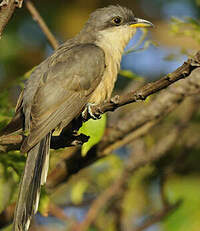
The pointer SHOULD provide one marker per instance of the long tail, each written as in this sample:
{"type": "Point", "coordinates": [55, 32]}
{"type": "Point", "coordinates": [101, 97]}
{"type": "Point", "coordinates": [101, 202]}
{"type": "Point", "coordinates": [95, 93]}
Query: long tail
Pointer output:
{"type": "Point", "coordinates": [34, 176]}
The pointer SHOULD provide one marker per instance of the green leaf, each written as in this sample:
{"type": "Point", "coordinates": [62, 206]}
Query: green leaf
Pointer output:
{"type": "Point", "coordinates": [94, 129]}
{"type": "Point", "coordinates": [78, 191]}
{"type": "Point", "coordinates": [44, 203]}
{"type": "Point", "coordinates": [189, 27]}
{"type": "Point", "coordinates": [14, 160]}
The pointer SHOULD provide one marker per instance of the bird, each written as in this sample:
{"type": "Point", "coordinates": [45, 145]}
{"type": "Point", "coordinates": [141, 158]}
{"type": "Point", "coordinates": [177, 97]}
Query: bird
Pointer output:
{"type": "Point", "coordinates": [80, 72]}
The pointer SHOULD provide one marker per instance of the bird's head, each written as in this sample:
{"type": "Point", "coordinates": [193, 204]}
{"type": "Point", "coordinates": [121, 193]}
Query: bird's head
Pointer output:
{"type": "Point", "coordinates": [113, 24]}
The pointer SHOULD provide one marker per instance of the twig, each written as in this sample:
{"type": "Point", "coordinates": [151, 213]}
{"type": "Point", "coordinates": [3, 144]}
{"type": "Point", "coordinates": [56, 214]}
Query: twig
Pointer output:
{"type": "Point", "coordinates": [99, 203]}
{"type": "Point", "coordinates": [58, 212]}
{"type": "Point", "coordinates": [158, 108]}
{"type": "Point", "coordinates": [150, 88]}
{"type": "Point", "coordinates": [36, 16]}
{"type": "Point", "coordinates": [159, 216]}
{"type": "Point", "coordinates": [136, 161]}
{"type": "Point", "coordinates": [163, 103]}
{"type": "Point", "coordinates": [76, 163]}
{"type": "Point", "coordinates": [129, 138]}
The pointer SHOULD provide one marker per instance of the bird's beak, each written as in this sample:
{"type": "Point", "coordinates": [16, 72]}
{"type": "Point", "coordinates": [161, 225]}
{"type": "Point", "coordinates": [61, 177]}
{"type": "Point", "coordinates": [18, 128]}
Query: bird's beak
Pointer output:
{"type": "Point", "coordinates": [141, 23]}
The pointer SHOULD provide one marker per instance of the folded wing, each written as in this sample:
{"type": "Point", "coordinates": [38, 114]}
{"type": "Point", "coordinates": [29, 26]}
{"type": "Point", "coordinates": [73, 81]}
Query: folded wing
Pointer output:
{"type": "Point", "coordinates": [63, 88]}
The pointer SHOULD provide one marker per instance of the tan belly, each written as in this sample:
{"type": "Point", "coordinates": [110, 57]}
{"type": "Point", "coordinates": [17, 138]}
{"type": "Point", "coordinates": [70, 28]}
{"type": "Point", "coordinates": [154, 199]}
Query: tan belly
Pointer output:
{"type": "Point", "coordinates": [104, 89]}
{"type": "Point", "coordinates": [103, 92]}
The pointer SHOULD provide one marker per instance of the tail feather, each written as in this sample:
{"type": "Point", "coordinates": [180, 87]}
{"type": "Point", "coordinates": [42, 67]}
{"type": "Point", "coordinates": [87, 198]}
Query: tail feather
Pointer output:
{"type": "Point", "coordinates": [34, 176]}
{"type": "Point", "coordinates": [46, 162]}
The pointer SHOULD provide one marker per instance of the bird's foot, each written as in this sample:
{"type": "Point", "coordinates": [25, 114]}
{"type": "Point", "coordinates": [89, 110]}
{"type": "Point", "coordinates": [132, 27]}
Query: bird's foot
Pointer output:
{"type": "Point", "coordinates": [88, 112]}
{"type": "Point", "coordinates": [6, 2]}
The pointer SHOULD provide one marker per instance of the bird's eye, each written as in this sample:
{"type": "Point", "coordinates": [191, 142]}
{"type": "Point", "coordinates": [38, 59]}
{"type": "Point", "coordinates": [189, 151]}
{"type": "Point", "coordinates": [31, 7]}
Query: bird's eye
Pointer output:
{"type": "Point", "coordinates": [117, 20]}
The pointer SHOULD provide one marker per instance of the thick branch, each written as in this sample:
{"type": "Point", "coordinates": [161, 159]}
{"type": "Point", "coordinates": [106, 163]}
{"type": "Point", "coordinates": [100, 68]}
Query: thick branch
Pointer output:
{"type": "Point", "coordinates": [13, 142]}
{"type": "Point", "coordinates": [6, 12]}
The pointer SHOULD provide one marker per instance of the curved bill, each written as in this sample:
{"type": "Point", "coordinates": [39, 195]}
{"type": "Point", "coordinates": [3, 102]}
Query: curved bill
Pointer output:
{"type": "Point", "coordinates": [141, 23]}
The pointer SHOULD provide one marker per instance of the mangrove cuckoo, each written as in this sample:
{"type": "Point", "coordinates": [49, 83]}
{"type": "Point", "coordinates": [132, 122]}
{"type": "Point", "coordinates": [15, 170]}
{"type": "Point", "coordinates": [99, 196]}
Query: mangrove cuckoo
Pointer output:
{"type": "Point", "coordinates": [80, 72]}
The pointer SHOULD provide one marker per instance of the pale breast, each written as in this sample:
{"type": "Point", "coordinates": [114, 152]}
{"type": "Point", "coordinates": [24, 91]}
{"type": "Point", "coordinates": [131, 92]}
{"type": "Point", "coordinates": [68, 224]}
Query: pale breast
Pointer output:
{"type": "Point", "coordinates": [113, 42]}
{"type": "Point", "coordinates": [104, 89]}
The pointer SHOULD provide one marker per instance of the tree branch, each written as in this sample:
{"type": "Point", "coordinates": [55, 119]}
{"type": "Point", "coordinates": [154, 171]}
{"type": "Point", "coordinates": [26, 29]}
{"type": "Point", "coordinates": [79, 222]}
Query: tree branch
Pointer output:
{"type": "Point", "coordinates": [13, 142]}
{"type": "Point", "coordinates": [150, 88]}
{"type": "Point", "coordinates": [156, 109]}
{"type": "Point", "coordinates": [136, 161]}
{"type": "Point", "coordinates": [36, 16]}
{"type": "Point", "coordinates": [158, 217]}
{"type": "Point", "coordinates": [6, 11]}
{"type": "Point", "coordinates": [163, 103]}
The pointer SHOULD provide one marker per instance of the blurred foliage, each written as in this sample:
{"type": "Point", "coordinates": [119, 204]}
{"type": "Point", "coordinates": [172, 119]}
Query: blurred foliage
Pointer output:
{"type": "Point", "coordinates": [189, 27]}
{"type": "Point", "coordinates": [6, 111]}
{"type": "Point", "coordinates": [11, 168]}
{"type": "Point", "coordinates": [78, 191]}
{"type": "Point", "coordinates": [198, 2]}
{"type": "Point", "coordinates": [44, 203]}
{"type": "Point", "coordinates": [23, 46]}
{"type": "Point", "coordinates": [186, 188]}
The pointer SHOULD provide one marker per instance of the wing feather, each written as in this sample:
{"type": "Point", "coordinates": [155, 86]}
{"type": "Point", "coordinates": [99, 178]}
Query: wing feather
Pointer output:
{"type": "Point", "coordinates": [63, 90]}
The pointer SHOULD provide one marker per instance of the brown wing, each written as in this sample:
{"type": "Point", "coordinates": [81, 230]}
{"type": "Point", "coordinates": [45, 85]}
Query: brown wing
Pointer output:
{"type": "Point", "coordinates": [63, 90]}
